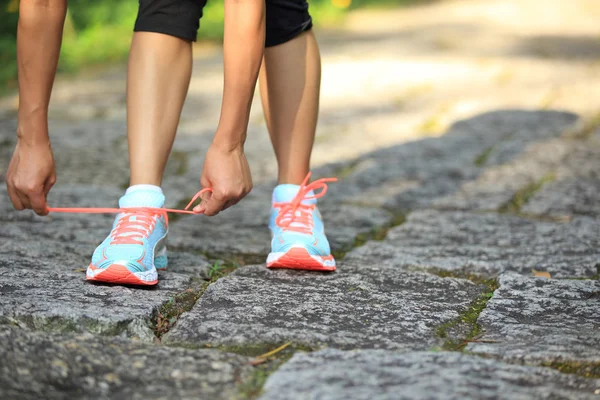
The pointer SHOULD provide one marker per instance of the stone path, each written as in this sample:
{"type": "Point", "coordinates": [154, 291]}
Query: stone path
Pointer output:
{"type": "Point", "coordinates": [439, 232]}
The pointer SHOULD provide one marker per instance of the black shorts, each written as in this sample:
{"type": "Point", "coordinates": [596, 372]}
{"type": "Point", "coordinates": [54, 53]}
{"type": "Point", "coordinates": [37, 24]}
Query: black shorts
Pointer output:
{"type": "Point", "coordinates": [285, 19]}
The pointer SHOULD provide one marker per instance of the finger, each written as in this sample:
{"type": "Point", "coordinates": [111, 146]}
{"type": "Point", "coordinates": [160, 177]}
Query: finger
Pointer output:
{"type": "Point", "coordinates": [214, 205]}
{"type": "Point", "coordinates": [229, 203]}
{"type": "Point", "coordinates": [49, 184]}
{"type": "Point", "coordinates": [233, 201]}
{"type": "Point", "coordinates": [14, 199]}
{"type": "Point", "coordinates": [200, 208]}
{"type": "Point", "coordinates": [38, 203]}
{"type": "Point", "coordinates": [24, 200]}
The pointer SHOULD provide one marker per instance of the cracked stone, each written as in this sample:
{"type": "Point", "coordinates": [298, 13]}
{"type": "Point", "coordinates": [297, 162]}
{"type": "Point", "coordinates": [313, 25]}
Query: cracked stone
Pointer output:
{"type": "Point", "coordinates": [442, 170]}
{"type": "Point", "coordinates": [194, 265]}
{"type": "Point", "coordinates": [487, 244]}
{"type": "Point", "coordinates": [497, 185]}
{"type": "Point", "coordinates": [360, 306]}
{"type": "Point", "coordinates": [535, 320]}
{"type": "Point", "coordinates": [85, 367]}
{"type": "Point", "coordinates": [52, 299]}
{"type": "Point", "coordinates": [377, 374]}
{"type": "Point", "coordinates": [243, 230]}
{"type": "Point", "coordinates": [565, 198]}
{"type": "Point", "coordinates": [576, 188]}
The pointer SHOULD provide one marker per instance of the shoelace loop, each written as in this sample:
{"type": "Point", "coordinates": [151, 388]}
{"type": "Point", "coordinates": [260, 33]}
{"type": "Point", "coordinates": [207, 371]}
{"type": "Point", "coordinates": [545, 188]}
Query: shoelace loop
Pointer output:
{"type": "Point", "coordinates": [294, 215]}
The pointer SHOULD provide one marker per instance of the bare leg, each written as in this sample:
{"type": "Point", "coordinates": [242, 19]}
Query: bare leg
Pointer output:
{"type": "Point", "coordinates": [158, 76]}
{"type": "Point", "coordinates": [290, 80]}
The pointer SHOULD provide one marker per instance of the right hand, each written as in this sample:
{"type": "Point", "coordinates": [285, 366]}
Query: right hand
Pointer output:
{"type": "Point", "coordinates": [30, 176]}
{"type": "Point", "coordinates": [227, 173]}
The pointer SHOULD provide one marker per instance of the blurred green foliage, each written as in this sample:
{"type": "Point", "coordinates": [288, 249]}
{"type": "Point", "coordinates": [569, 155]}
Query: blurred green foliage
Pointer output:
{"type": "Point", "coordinates": [98, 32]}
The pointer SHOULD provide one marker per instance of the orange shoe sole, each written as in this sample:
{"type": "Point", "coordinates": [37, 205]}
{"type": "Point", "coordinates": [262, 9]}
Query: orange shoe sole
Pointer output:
{"type": "Point", "coordinates": [298, 258]}
{"type": "Point", "coordinates": [120, 275]}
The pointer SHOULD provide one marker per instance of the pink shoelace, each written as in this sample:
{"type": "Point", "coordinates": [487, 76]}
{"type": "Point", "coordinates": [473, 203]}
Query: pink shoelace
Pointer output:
{"type": "Point", "coordinates": [294, 215]}
{"type": "Point", "coordinates": [130, 231]}
{"type": "Point", "coordinates": [151, 210]}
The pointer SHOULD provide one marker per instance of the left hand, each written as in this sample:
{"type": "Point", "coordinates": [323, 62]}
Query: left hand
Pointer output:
{"type": "Point", "coordinates": [227, 173]}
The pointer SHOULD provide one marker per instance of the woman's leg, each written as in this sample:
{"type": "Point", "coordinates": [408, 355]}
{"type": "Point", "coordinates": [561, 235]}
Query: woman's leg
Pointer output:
{"type": "Point", "coordinates": [290, 81]}
{"type": "Point", "coordinates": [158, 76]}
{"type": "Point", "coordinates": [159, 70]}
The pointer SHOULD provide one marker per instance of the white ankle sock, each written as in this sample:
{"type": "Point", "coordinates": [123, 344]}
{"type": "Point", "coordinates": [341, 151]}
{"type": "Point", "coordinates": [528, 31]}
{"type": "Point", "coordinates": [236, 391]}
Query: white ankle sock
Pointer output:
{"type": "Point", "coordinates": [151, 188]}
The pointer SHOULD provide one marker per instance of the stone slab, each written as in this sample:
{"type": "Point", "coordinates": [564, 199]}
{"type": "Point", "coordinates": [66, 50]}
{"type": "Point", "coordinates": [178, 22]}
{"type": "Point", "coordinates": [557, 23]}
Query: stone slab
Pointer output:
{"type": "Point", "coordinates": [536, 320]}
{"type": "Point", "coordinates": [527, 149]}
{"type": "Point", "coordinates": [438, 170]}
{"type": "Point", "coordinates": [378, 375]}
{"type": "Point", "coordinates": [577, 185]}
{"type": "Point", "coordinates": [360, 306]}
{"type": "Point", "coordinates": [67, 241]}
{"type": "Point", "coordinates": [566, 198]}
{"type": "Point", "coordinates": [488, 244]}
{"type": "Point", "coordinates": [497, 185]}
{"type": "Point", "coordinates": [36, 366]}
{"type": "Point", "coordinates": [52, 299]}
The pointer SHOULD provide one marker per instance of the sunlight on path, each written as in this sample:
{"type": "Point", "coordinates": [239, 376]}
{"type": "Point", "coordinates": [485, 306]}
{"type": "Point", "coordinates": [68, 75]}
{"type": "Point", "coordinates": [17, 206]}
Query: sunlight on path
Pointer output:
{"type": "Point", "coordinates": [391, 76]}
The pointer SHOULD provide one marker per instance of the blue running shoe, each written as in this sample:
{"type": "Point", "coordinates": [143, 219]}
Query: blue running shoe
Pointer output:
{"type": "Point", "coordinates": [299, 240]}
{"type": "Point", "coordinates": [136, 246]}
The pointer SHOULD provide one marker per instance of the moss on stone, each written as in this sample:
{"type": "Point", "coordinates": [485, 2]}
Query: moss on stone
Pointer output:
{"type": "Point", "coordinates": [586, 369]}
{"type": "Point", "coordinates": [169, 312]}
{"type": "Point", "coordinates": [523, 195]}
{"type": "Point", "coordinates": [377, 233]}
{"type": "Point", "coordinates": [482, 158]}
{"type": "Point", "coordinates": [252, 386]}
{"type": "Point", "coordinates": [467, 320]}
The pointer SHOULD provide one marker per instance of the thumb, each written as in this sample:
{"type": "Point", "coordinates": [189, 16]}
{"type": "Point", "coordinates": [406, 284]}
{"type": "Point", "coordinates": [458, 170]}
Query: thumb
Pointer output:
{"type": "Point", "coordinates": [203, 200]}
{"type": "Point", "coordinates": [38, 203]}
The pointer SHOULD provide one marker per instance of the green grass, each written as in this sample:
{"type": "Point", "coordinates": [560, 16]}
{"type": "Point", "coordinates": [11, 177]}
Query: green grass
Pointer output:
{"type": "Point", "coordinates": [467, 320]}
{"type": "Point", "coordinates": [169, 312]}
{"type": "Point", "coordinates": [377, 233]}
{"type": "Point", "coordinates": [523, 195]}
{"type": "Point", "coordinates": [586, 369]}
{"type": "Point", "coordinates": [251, 387]}
{"type": "Point", "coordinates": [482, 158]}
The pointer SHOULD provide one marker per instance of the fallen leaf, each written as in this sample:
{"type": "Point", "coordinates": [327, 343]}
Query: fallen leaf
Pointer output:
{"type": "Point", "coordinates": [541, 274]}
{"type": "Point", "coordinates": [273, 352]}
{"type": "Point", "coordinates": [263, 357]}
{"type": "Point", "coordinates": [257, 361]}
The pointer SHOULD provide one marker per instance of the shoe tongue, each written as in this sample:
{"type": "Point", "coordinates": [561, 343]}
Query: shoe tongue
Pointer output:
{"type": "Point", "coordinates": [286, 193]}
{"type": "Point", "coordinates": [142, 198]}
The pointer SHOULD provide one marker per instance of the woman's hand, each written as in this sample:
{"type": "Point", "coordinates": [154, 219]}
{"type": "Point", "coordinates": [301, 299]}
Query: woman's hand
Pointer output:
{"type": "Point", "coordinates": [30, 176]}
{"type": "Point", "coordinates": [227, 173]}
